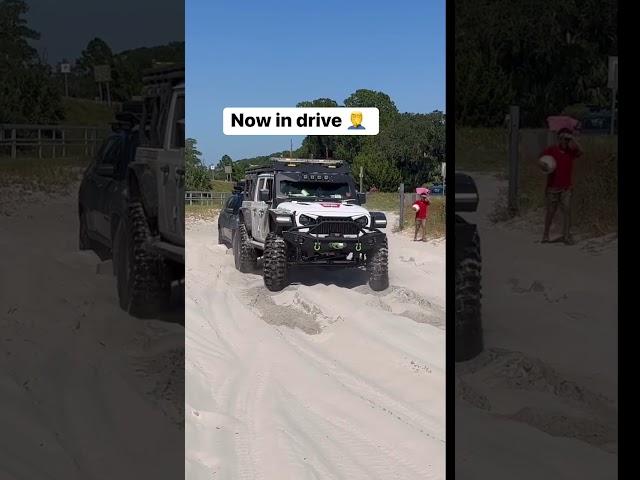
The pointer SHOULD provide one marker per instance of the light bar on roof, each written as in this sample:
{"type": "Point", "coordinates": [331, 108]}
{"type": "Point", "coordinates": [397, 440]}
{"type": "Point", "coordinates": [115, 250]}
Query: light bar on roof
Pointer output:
{"type": "Point", "coordinates": [308, 160]}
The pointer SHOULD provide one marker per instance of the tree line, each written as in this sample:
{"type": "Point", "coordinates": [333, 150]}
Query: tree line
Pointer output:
{"type": "Point", "coordinates": [410, 147]}
{"type": "Point", "coordinates": [31, 89]}
{"type": "Point", "coordinates": [543, 55]}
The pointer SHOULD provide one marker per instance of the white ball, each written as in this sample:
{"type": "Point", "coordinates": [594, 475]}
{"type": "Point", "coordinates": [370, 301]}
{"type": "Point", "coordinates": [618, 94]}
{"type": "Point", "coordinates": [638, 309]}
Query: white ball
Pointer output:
{"type": "Point", "coordinates": [547, 164]}
{"type": "Point", "coordinates": [416, 207]}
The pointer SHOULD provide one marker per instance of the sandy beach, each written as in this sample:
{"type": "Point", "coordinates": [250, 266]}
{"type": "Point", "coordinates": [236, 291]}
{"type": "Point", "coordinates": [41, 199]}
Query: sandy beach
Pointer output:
{"type": "Point", "coordinates": [323, 380]}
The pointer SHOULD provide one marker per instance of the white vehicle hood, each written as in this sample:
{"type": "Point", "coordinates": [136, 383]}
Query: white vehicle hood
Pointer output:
{"type": "Point", "coordinates": [324, 209]}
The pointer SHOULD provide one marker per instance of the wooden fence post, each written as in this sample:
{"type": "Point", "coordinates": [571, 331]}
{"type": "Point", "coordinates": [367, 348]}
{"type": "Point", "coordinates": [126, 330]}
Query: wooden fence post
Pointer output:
{"type": "Point", "coordinates": [13, 143]}
{"type": "Point", "coordinates": [514, 143]}
{"type": "Point", "coordinates": [401, 221]}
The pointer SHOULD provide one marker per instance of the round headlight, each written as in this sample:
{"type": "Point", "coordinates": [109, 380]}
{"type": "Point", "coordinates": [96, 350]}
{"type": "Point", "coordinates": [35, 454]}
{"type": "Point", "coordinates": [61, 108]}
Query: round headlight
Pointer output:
{"type": "Point", "coordinates": [305, 220]}
{"type": "Point", "coordinates": [362, 221]}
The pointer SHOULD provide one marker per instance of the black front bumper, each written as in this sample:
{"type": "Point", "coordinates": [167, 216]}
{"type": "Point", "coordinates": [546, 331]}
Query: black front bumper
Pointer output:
{"type": "Point", "coordinates": [309, 244]}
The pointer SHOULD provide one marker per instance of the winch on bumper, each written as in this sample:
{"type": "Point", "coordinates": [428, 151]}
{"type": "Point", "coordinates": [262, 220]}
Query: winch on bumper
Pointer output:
{"type": "Point", "coordinates": [310, 243]}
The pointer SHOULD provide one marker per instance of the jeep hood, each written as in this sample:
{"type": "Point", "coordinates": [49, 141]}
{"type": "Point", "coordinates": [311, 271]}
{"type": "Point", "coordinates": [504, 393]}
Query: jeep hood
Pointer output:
{"type": "Point", "coordinates": [324, 209]}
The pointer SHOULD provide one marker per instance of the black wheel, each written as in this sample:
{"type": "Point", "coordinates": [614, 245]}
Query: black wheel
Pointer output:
{"type": "Point", "coordinates": [378, 268]}
{"type": "Point", "coordinates": [275, 263]}
{"type": "Point", "coordinates": [468, 326]}
{"type": "Point", "coordinates": [244, 255]}
{"type": "Point", "coordinates": [84, 243]}
{"type": "Point", "coordinates": [144, 286]}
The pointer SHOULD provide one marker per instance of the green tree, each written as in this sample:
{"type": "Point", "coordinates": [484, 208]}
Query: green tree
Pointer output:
{"type": "Point", "coordinates": [409, 148]}
{"type": "Point", "coordinates": [127, 67]}
{"type": "Point", "coordinates": [97, 52]}
{"type": "Point", "coordinates": [364, 98]}
{"type": "Point", "coordinates": [27, 91]}
{"type": "Point", "coordinates": [378, 171]}
{"type": "Point", "coordinates": [218, 172]}
{"type": "Point", "coordinates": [541, 55]}
{"type": "Point", "coordinates": [15, 34]}
{"type": "Point", "coordinates": [319, 146]}
{"type": "Point", "coordinates": [197, 175]}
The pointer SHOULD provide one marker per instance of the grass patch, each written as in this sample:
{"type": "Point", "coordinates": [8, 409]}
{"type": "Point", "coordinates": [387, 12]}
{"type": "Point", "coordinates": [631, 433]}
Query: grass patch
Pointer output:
{"type": "Point", "coordinates": [436, 220]}
{"type": "Point", "coordinates": [221, 186]}
{"type": "Point", "coordinates": [81, 111]}
{"type": "Point", "coordinates": [481, 149]}
{"type": "Point", "coordinates": [595, 193]}
{"type": "Point", "coordinates": [390, 202]}
{"type": "Point", "coordinates": [201, 212]}
{"type": "Point", "coordinates": [383, 201]}
{"type": "Point", "coordinates": [45, 175]}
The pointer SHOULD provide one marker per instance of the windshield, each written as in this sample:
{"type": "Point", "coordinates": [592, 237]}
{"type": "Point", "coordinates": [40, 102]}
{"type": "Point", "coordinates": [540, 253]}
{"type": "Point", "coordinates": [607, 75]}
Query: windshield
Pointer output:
{"type": "Point", "coordinates": [338, 190]}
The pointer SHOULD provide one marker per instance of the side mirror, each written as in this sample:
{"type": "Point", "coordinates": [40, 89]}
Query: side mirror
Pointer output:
{"type": "Point", "coordinates": [264, 196]}
{"type": "Point", "coordinates": [362, 198]}
{"type": "Point", "coordinates": [105, 170]}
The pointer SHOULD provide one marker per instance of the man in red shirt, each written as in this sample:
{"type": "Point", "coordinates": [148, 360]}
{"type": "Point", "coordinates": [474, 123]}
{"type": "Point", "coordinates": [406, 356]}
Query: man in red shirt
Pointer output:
{"type": "Point", "coordinates": [421, 217]}
{"type": "Point", "coordinates": [560, 183]}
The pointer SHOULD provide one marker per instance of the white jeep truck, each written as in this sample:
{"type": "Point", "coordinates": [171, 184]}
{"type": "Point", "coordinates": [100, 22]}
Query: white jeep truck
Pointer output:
{"type": "Point", "coordinates": [307, 212]}
{"type": "Point", "coordinates": [131, 199]}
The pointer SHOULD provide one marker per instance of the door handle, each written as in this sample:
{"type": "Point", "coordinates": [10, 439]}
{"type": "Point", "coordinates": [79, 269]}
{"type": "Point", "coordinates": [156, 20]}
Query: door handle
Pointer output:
{"type": "Point", "coordinates": [165, 177]}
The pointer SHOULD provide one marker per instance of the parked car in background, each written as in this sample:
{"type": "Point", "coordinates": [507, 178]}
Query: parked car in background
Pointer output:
{"type": "Point", "coordinates": [437, 189]}
{"type": "Point", "coordinates": [228, 218]}
{"type": "Point", "coordinates": [598, 122]}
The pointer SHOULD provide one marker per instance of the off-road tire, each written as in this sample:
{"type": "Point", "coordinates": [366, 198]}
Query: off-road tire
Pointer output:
{"type": "Point", "coordinates": [84, 242]}
{"type": "Point", "coordinates": [244, 255]}
{"type": "Point", "coordinates": [378, 268]}
{"type": "Point", "coordinates": [144, 287]}
{"type": "Point", "coordinates": [468, 296]}
{"type": "Point", "coordinates": [275, 263]}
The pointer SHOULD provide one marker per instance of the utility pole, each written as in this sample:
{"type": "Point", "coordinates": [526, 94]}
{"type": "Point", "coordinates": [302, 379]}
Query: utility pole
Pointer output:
{"type": "Point", "coordinates": [291, 149]}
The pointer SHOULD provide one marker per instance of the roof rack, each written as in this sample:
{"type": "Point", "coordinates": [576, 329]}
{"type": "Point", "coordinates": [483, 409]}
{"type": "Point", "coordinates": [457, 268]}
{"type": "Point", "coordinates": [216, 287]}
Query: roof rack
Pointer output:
{"type": "Point", "coordinates": [316, 161]}
{"type": "Point", "coordinates": [309, 165]}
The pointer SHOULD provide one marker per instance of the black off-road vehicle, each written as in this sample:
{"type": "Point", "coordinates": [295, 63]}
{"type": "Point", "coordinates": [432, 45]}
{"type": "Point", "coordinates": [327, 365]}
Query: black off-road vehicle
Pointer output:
{"type": "Point", "coordinates": [131, 199]}
{"type": "Point", "coordinates": [468, 263]}
{"type": "Point", "coordinates": [308, 212]}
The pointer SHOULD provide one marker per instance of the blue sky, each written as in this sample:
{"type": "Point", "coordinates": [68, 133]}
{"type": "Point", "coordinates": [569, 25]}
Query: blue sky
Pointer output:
{"type": "Point", "coordinates": [67, 26]}
{"type": "Point", "coordinates": [267, 53]}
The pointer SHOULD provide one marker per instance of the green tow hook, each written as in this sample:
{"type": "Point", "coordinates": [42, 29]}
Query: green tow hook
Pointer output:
{"type": "Point", "coordinates": [358, 247]}
{"type": "Point", "coordinates": [316, 246]}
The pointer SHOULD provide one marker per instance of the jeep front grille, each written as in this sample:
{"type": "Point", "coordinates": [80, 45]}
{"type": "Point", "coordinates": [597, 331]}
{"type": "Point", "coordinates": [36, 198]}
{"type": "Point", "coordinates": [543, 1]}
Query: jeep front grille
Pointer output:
{"type": "Point", "coordinates": [329, 225]}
